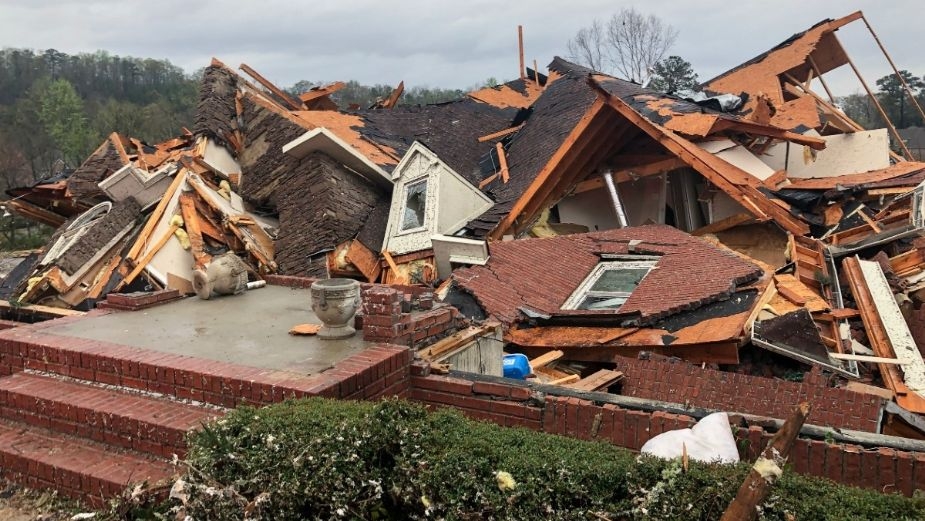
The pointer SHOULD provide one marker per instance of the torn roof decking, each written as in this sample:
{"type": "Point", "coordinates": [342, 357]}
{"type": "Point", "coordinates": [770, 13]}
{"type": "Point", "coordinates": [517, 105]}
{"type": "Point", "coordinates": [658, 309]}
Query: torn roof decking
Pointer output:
{"type": "Point", "coordinates": [583, 120]}
{"type": "Point", "coordinates": [109, 157]}
{"type": "Point", "coordinates": [816, 50]}
{"type": "Point", "coordinates": [541, 274]}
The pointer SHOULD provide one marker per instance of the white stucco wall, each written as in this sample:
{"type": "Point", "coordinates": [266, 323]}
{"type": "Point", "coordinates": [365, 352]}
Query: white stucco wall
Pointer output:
{"type": "Point", "coordinates": [450, 201]}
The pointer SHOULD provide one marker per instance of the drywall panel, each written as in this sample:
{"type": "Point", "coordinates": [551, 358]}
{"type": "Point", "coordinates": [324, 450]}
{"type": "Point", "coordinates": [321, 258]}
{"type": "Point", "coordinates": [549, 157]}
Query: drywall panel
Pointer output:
{"type": "Point", "coordinates": [843, 154]}
{"type": "Point", "coordinates": [459, 202]}
{"type": "Point", "coordinates": [592, 209]}
{"type": "Point", "coordinates": [171, 258]}
{"type": "Point", "coordinates": [220, 159]}
{"type": "Point", "coordinates": [739, 156]}
{"type": "Point", "coordinates": [644, 200]}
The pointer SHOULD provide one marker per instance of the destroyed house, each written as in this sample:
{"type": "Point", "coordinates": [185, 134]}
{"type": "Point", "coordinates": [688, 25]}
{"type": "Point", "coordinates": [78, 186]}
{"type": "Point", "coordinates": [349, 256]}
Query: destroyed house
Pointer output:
{"type": "Point", "coordinates": [600, 295]}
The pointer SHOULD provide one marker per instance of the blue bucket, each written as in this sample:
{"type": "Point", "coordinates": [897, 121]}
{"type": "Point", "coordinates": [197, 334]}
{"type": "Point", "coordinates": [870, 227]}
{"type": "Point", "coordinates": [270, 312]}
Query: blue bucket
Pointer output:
{"type": "Point", "coordinates": [516, 366]}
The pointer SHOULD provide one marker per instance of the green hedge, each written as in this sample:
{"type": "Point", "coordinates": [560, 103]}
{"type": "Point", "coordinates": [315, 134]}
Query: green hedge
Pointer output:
{"type": "Point", "coordinates": [323, 459]}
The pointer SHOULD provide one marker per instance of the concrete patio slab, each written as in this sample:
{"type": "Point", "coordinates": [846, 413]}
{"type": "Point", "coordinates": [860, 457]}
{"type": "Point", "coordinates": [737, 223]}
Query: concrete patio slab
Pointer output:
{"type": "Point", "coordinates": [250, 329]}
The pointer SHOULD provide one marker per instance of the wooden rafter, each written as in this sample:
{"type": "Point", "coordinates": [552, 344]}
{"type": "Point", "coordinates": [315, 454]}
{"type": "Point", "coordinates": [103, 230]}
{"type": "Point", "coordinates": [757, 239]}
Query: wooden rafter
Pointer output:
{"type": "Point", "coordinates": [320, 92]}
{"type": "Point", "coordinates": [502, 158]}
{"type": "Point", "coordinates": [547, 170]}
{"type": "Point", "coordinates": [735, 182]}
{"type": "Point", "coordinates": [500, 134]}
{"type": "Point", "coordinates": [392, 100]}
{"type": "Point", "coordinates": [292, 103]}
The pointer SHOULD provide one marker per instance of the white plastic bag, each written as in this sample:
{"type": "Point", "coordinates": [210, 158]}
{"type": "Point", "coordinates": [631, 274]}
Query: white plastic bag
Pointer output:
{"type": "Point", "coordinates": [709, 441]}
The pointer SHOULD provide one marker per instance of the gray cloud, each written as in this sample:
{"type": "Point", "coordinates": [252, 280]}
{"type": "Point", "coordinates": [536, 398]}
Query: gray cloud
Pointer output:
{"type": "Point", "coordinates": [435, 43]}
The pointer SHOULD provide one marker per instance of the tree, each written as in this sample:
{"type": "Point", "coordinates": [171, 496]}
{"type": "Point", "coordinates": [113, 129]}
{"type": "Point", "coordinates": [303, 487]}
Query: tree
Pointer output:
{"type": "Point", "coordinates": [672, 75]}
{"type": "Point", "coordinates": [861, 110]}
{"type": "Point", "coordinates": [894, 99]}
{"type": "Point", "coordinates": [61, 112]}
{"type": "Point", "coordinates": [629, 43]}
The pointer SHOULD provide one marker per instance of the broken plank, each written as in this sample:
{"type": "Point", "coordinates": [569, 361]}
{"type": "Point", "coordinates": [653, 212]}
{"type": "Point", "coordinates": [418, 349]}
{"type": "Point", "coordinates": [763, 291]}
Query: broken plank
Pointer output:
{"type": "Point", "coordinates": [320, 92]}
{"type": "Point", "coordinates": [392, 100]}
{"type": "Point", "coordinates": [859, 387]}
{"type": "Point", "coordinates": [866, 358]}
{"type": "Point", "coordinates": [155, 216]}
{"type": "Point", "coordinates": [723, 224]}
{"type": "Point", "coordinates": [546, 359]}
{"type": "Point", "coordinates": [601, 379]}
{"type": "Point", "coordinates": [500, 133]}
{"type": "Point", "coordinates": [293, 104]}
{"type": "Point", "coordinates": [364, 260]}
{"type": "Point", "coordinates": [572, 378]}
{"type": "Point", "coordinates": [455, 341]}
{"type": "Point", "coordinates": [502, 158]}
{"type": "Point", "coordinates": [887, 332]}
{"type": "Point", "coordinates": [141, 264]}
{"type": "Point", "coordinates": [191, 223]}
{"type": "Point", "coordinates": [41, 310]}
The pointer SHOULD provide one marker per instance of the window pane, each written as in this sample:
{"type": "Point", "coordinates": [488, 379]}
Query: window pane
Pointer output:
{"type": "Point", "coordinates": [415, 202]}
{"type": "Point", "coordinates": [601, 302]}
{"type": "Point", "coordinates": [622, 280]}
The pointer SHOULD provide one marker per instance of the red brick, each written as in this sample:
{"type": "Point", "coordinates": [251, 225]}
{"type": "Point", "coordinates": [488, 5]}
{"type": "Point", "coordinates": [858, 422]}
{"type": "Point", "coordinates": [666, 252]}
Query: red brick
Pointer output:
{"type": "Point", "coordinates": [492, 389]}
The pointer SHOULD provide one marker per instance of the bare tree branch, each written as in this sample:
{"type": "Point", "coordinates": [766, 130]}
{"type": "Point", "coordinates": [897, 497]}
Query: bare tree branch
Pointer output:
{"type": "Point", "coordinates": [629, 44]}
{"type": "Point", "coordinates": [587, 47]}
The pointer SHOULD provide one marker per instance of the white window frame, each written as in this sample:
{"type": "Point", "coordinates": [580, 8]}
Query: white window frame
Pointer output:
{"type": "Point", "coordinates": [583, 291]}
{"type": "Point", "coordinates": [404, 206]}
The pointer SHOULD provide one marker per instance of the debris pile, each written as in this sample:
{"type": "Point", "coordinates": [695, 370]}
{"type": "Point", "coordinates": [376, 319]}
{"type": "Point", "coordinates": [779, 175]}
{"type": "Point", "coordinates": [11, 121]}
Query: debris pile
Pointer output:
{"type": "Point", "coordinates": [595, 219]}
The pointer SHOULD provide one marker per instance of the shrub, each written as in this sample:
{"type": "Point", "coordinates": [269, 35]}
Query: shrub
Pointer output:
{"type": "Point", "coordinates": [324, 459]}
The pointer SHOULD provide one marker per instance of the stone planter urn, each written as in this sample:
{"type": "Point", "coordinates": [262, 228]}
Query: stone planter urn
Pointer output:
{"type": "Point", "coordinates": [335, 302]}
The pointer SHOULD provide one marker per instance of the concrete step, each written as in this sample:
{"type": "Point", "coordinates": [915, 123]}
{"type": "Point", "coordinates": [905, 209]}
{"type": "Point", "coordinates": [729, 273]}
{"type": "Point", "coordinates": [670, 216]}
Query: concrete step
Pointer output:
{"type": "Point", "coordinates": [80, 469]}
{"type": "Point", "coordinates": [131, 420]}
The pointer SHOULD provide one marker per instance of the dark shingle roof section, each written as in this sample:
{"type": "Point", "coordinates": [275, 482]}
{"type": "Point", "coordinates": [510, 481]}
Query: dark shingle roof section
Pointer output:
{"type": "Point", "coordinates": [541, 274]}
{"type": "Point", "coordinates": [554, 116]}
{"type": "Point", "coordinates": [216, 112]}
{"type": "Point", "coordinates": [451, 130]}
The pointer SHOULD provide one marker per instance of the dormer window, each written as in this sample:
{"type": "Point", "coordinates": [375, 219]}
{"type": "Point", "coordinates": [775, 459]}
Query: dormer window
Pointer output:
{"type": "Point", "coordinates": [414, 206]}
{"type": "Point", "coordinates": [610, 284]}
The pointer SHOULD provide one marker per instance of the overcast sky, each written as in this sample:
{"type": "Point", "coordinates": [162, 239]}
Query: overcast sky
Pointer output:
{"type": "Point", "coordinates": [439, 43]}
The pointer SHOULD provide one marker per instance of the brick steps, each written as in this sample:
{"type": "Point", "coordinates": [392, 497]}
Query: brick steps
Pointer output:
{"type": "Point", "coordinates": [91, 418]}
{"type": "Point", "coordinates": [77, 468]}
{"type": "Point", "coordinates": [146, 424]}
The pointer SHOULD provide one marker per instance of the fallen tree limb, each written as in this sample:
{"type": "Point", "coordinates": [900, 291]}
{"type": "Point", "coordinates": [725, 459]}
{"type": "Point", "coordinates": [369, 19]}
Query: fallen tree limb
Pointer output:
{"type": "Point", "coordinates": [768, 467]}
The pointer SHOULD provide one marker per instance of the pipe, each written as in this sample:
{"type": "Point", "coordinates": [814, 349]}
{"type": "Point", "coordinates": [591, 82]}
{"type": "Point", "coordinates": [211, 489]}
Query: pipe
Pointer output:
{"type": "Point", "coordinates": [615, 198]}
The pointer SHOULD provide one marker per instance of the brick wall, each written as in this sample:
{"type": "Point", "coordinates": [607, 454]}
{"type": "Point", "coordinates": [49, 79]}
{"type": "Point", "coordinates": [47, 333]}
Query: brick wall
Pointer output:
{"type": "Point", "coordinates": [382, 319]}
{"type": "Point", "coordinates": [518, 404]}
{"type": "Point", "coordinates": [679, 382]}
{"type": "Point", "coordinates": [380, 370]}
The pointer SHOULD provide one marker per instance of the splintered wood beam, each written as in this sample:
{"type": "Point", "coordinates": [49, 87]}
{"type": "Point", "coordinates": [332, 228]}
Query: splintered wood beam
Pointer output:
{"type": "Point", "coordinates": [632, 174]}
{"type": "Point", "coordinates": [485, 182]}
{"type": "Point", "coordinates": [546, 359]}
{"type": "Point", "coordinates": [320, 92]}
{"type": "Point", "coordinates": [766, 470]}
{"type": "Point", "coordinates": [143, 262]}
{"type": "Point", "coordinates": [116, 141]}
{"type": "Point", "coordinates": [723, 224]}
{"type": "Point", "coordinates": [816, 143]}
{"type": "Point", "coordinates": [520, 46]}
{"type": "Point", "coordinates": [293, 104]}
{"type": "Point", "coordinates": [392, 100]}
{"type": "Point", "coordinates": [391, 262]}
{"type": "Point", "coordinates": [364, 260]}
{"type": "Point", "coordinates": [155, 216]}
{"type": "Point", "coordinates": [500, 133]}
{"type": "Point", "coordinates": [193, 229]}
{"type": "Point", "coordinates": [502, 158]}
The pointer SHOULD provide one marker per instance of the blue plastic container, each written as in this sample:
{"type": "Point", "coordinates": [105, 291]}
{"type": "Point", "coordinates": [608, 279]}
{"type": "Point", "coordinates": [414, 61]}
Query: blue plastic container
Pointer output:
{"type": "Point", "coordinates": [516, 366]}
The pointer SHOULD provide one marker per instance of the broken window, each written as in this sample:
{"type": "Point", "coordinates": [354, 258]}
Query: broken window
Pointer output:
{"type": "Point", "coordinates": [415, 204]}
{"type": "Point", "coordinates": [609, 285]}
